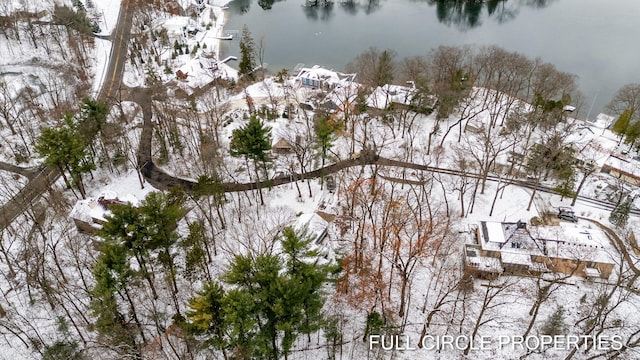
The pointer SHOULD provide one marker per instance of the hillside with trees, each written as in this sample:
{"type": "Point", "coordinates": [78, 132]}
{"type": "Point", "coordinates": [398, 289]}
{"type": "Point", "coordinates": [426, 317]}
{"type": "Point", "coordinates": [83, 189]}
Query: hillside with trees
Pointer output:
{"type": "Point", "coordinates": [259, 216]}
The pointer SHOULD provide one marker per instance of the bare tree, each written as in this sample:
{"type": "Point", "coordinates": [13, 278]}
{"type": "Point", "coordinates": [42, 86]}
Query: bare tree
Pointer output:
{"type": "Point", "coordinates": [495, 296]}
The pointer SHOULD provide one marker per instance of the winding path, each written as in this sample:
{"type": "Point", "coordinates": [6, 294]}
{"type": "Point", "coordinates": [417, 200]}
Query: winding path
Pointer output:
{"type": "Point", "coordinates": [40, 180]}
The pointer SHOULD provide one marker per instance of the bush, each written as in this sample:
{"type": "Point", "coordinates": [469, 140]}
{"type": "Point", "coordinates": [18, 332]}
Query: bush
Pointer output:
{"type": "Point", "coordinates": [62, 350]}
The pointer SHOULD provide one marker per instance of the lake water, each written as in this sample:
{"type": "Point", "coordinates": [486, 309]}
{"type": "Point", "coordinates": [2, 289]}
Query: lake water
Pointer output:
{"type": "Point", "coordinates": [594, 39]}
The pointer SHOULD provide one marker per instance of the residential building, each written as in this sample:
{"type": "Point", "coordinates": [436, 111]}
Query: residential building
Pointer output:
{"type": "Point", "coordinates": [388, 96]}
{"type": "Point", "coordinates": [321, 78]}
{"type": "Point", "coordinates": [520, 249]}
{"type": "Point", "coordinates": [623, 167]}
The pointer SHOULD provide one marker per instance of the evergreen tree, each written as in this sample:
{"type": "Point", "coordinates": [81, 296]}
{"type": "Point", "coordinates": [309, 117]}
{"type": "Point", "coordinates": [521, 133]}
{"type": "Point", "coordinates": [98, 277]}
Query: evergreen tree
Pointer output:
{"type": "Point", "coordinates": [112, 274]}
{"type": "Point", "coordinates": [258, 280]}
{"type": "Point", "coordinates": [252, 141]}
{"type": "Point", "coordinates": [93, 116]}
{"type": "Point", "coordinates": [148, 229]}
{"type": "Point", "coordinates": [206, 315]}
{"type": "Point", "coordinates": [195, 255]}
{"type": "Point", "coordinates": [632, 134]}
{"type": "Point", "coordinates": [620, 214]}
{"type": "Point", "coordinates": [306, 280]}
{"type": "Point", "coordinates": [622, 124]}
{"type": "Point", "coordinates": [555, 325]}
{"type": "Point", "coordinates": [125, 226]}
{"type": "Point", "coordinates": [385, 68]}
{"type": "Point", "coordinates": [274, 299]}
{"type": "Point", "coordinates": [567, 180]}
{"type": "Point", "coordinates": [324, 130]}
{"type": "Point", "coordinates": [65, 148]}
{"type": "Point", "coordinates": [247, 54]}
{"type": "Point", "coordinates": [374, 325]}
{"type": "Point", "coordinates": [160, 215]}
{"type": "Point", "coordinates": [62, 350]}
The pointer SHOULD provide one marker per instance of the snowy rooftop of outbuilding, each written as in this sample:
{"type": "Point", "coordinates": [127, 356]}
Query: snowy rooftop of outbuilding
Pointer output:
{"type": "Point", "coordinates": [512, 257]}
{"type": "Point", "coordinates": [313, 224]}
{"type": "Point", "coordinates": [94, 209]}
{"type": "Point", "coordinates": [593, 145]}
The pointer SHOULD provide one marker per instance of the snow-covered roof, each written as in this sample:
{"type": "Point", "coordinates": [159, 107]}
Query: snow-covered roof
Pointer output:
{"type": "Point", "coordinates": [629, 166]}
{"type": "Point", "coordinates": [95, 210]}
{"type": "Point", "coordinates": [592, 272]}
{"type": "Point", "coordinates": [509, 257]}
{"type": "Point", "coordinates": [603, 121]}
{"type": "Point", "coordinates": [281, 144]}
{"type": "Point", "coordinates": [327, 76]}
{"type": "Point", "coordinates": [593, 145]}
{"type": "Point", "coordinates": [88, 210]}
{"type": "Point", "coordinates": [484, 263]}
{"type": "Point", "coordinates": [383, 96]}
{"type": "Point", "coordinates": [495, 232]}
{"type": "Point", "coordinates": [564, 241]}
{"type": "Point", "coordinates": [313, 224]}
{"type": "Point", "coordinates": [175, 25]}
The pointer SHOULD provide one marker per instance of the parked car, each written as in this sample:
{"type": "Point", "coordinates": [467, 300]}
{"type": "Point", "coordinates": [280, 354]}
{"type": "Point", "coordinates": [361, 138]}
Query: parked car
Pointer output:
{"type": "Point", "coordinates": [568, 216]}
{"type": "Point", "coordinates": [331, 184]}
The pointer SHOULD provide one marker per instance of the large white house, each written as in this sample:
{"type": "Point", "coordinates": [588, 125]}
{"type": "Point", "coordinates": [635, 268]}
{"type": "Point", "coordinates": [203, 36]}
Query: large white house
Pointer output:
{"type": "Point", "coordinates": [321, 78]}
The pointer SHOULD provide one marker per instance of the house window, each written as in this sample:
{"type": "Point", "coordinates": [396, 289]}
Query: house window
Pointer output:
{"type": "Point", "coordinates": [592, 264]}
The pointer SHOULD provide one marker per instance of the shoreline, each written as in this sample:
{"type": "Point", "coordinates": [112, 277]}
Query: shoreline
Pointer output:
{"type": "Point", "coordinates": [221, 20]}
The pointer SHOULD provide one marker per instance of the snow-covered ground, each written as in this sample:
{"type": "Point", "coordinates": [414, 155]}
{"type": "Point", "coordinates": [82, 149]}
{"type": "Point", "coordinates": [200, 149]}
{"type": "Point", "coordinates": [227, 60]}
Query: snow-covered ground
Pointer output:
{"type": "Point", "coordinates": [370, 206]}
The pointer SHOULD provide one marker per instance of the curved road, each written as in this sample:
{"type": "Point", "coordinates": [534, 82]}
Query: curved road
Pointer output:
{"type": "Point", "coordinates": [46, 176]}
{"type": "Point", "coordinates": [161, 180]}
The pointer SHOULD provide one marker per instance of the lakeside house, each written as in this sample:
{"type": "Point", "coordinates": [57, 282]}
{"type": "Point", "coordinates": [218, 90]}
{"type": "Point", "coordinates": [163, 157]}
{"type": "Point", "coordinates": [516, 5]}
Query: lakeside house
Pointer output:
{"type": "Point", "coordinates": [402, 97]}
{"type": "Point", "coordinates": [321, 78]}
{"type": "Point", "coordinates": [513, 248]}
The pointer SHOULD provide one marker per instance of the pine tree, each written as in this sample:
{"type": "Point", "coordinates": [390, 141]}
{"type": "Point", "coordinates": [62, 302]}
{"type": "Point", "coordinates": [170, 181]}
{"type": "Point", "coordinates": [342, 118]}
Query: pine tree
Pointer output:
{"type": "Point", "coordinates": [195, 255]}
{"type": "Point", "coordinates": [306, 280]}
{"type": "Point", "coordinates": [273, 299]}
{"type": "Point", "coordinates": [621, 125]}
{"type": "Point", "coordinates": [93, 116]}
{"type": "Point", "coordinates": [125, 227]}
{"type": "Point", "coordinates": [632, 134]}
{"type": "Point", "coordinates": [252, 141]}
{"type": "Point", "coordinates": [161, 213]}
{"type": "Point", "coordinates": [206, 315]}
{"type": "Point", "coordinates": [324, 130]}
{"type": "Point", "coordinates": [62, 350]}
{"type": "Point", "coordinates": [247, 54]}
{"type": "Point", "coordinates": [567, 177]}
{"type": "Point", "coordinates": [555, 325]}
{"type": "Point", "coordinates": [112, 274]}
{"type": "Point", "coordinates": [620, 214]}
{"type": "Point", "coordinates": [65, 148]}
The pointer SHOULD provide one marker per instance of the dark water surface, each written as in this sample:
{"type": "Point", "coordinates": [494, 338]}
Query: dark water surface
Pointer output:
{"type": "Point", "coordinates": [598, 40]}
